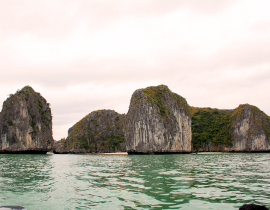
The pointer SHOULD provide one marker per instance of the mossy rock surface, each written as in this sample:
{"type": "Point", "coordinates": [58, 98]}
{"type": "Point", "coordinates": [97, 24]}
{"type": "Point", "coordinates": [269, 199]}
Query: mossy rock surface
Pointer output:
{"type": "Point", "coordinates": [100, 131]}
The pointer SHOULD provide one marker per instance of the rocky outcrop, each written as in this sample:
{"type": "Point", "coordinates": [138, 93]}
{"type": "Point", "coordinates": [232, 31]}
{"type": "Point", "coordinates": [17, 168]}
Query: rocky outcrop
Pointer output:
{"type": "Point", "coordinates": [60, 147]}
{"type": "Point", "coordinates": [99, 132]}
{"type": "Point", "coordinates": [244, 129]}
{"type": "Point", "coordinates": [26, 123]}
{"type": "Point", "coordinates": [158, 121]}
{"type": "Point", "coordinates": [250, 128]}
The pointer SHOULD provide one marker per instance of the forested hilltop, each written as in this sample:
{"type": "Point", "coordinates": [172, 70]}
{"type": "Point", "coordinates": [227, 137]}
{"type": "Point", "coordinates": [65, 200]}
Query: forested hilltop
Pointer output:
{"type": "Point", "coordinates": [160, 121]}
{"type": "Point", "coordinates": [210, 127]}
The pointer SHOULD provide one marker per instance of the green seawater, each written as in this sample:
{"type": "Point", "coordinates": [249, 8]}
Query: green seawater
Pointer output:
{"type": "Point", "coordinates": [55, 182]}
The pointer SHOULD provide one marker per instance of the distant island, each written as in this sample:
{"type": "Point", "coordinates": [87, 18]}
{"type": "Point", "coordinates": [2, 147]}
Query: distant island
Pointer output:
{"type": "Point", "coordinates": [158, 122]}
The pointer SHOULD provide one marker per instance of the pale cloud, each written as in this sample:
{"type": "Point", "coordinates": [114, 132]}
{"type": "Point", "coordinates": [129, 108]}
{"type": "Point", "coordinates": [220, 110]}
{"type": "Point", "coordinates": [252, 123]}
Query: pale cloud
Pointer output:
{"type": "Point", "coordinates": [87, 55]}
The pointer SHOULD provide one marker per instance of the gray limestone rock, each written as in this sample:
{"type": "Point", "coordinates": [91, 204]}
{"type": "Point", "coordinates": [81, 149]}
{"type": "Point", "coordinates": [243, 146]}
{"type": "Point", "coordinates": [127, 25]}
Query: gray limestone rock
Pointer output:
{"type": "Point", "coordinates": [26, 123]}
{"type": "Point", "coordinates": [158, 121]}
{"type": "Point", "coordinates": [250, 129]}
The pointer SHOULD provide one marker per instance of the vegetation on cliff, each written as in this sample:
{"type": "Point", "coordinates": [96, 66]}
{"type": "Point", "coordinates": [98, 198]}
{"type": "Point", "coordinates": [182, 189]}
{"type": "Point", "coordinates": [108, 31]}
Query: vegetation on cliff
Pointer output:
{"type": "Point", "coordinates": [41, 103]}
{"type": "Point", "coordinates": [210, 126]}
{"type": "Point", "coordinates": [99, 131]}
{"type": "Point", "coordinates": [157, 95]}
{"type": "Point", "coordinates": [223, 128]}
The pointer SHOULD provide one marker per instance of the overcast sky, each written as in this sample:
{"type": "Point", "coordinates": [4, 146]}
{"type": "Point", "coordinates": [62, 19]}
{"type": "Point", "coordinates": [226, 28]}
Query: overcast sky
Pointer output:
{"type": "Point", "coordinates": [85, 55]}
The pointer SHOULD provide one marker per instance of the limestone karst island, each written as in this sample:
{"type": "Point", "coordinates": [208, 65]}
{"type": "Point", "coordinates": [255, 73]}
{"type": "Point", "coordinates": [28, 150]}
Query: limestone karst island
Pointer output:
{"type": "Point", "coordinates": [158, 121]}
{"type": "Point", "coordinates": [26, 123]}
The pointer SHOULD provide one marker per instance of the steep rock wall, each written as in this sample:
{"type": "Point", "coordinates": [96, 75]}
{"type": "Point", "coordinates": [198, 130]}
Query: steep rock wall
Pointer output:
{"type": "Point", "coordinates": [158, 121]}
{"type": "Point", "coordinates": [26, 123]}
{"type": "Point", "coordinates": [250, 129]}
{"type": "Point", "coordinates": [99, 132]}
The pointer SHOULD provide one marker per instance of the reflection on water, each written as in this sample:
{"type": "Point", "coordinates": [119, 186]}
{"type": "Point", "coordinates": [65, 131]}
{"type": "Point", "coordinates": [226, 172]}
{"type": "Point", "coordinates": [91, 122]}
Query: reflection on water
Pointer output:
{"type": "Point", "coordinates": [134, 182]}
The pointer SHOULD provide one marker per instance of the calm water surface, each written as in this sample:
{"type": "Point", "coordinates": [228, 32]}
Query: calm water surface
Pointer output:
{"type": "Point", "coordinates": [134, 182]}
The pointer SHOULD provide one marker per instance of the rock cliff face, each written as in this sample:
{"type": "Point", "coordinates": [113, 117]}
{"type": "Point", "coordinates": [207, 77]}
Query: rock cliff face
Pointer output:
{"type": "Point", "coordinates": [26, 123]}
{"type": "Point", "coordinates": [99, 132]}
{"type": "Point", "coordinates": [158, 121]}
{"type": "Point", "coordinates": [244, 129]}
{"type": "Point", "coordinates": [250, 129]}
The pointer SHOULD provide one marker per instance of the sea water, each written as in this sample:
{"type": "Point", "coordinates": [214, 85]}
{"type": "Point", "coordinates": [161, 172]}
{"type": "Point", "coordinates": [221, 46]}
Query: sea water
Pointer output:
{"type": "Point", "coordinates": [184, 181]}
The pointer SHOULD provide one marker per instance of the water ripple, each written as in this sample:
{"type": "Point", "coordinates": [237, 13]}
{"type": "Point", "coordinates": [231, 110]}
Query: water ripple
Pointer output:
{"type": "Point", "coordinates": [134, 182]}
